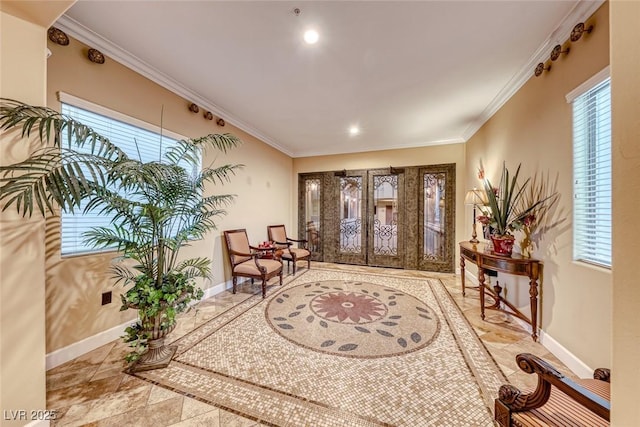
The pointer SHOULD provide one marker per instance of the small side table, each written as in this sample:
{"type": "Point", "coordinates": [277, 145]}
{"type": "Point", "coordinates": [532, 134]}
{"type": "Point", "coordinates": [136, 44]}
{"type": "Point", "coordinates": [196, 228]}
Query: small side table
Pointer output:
{"type": "Point", "coordinates": [478, 254]}
{"type": "Point", "coordinates": [269, 252]}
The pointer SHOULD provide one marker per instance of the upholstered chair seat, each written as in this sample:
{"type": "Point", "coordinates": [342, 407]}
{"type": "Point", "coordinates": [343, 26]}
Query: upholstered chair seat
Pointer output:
{"type": "Point", "coordinates": [290, 253]}
{"type": "Point", "coordinates": [249, 261]}
{"type": "Point", "coordinates": [250, 267]}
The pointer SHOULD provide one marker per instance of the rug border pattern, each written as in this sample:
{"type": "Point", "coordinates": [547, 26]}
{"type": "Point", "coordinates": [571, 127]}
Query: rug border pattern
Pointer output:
{"type": "Point", "coordinates": [488, 380]}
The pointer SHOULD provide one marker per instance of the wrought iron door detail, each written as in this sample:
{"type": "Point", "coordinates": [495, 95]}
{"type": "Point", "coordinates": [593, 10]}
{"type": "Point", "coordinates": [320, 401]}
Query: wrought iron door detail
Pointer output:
{"type": "Point", "coordinates": [385, 223]}
{"type": "Point", "coordinates": [434, 216]}
{"type": "Point", "coordinates": [351, 215]}
{"type": "Point", "coordinates": [396, 217]}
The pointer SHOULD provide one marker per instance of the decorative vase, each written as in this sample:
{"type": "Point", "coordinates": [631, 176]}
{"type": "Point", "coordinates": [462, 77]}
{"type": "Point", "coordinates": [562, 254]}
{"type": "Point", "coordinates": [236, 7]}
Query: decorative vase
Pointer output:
{"type": "Point", "coordinates": [502, 245]}
{"type": "Point", "coordinates": [526, 247]}
{"type": "Point", "coordinates": [158, 355]}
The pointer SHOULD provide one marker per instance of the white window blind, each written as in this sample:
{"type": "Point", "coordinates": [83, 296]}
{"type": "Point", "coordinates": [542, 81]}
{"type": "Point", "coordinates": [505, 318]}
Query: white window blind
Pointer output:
{"type": "Point", "coordinates": [137, 143]}
{"type": "Point", "coordinates": [592, 175]}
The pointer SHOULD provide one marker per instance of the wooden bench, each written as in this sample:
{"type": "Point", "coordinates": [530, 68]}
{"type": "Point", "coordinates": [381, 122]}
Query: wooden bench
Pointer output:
{"type": "Point", "coordinates": [556, 401]}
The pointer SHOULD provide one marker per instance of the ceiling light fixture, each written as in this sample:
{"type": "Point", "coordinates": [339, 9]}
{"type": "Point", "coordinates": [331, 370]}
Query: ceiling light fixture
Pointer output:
{"type": "Point", "coordinates": [354, 130]}
{"type": "Point", "coordinates": [311, 36]}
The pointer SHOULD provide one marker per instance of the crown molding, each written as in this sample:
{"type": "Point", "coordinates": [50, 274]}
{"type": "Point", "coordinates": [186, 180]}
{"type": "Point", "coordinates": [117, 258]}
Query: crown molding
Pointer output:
{"type": "Point", "coordinates": [344, 150]}
{"type": "Point", "coordinates": [118, 54]}
{"type": "Point", "coordinates": [580, 13]}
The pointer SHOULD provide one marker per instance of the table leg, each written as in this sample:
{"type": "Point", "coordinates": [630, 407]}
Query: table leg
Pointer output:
{"type": "Point", "coordinates": [533, 297]}
{"type": "Point", "coordinates": [498, 290]}
{"type": "Point", "coordinates": [481, 282]}
{"type": "Point", "coordinates": [462, 272]}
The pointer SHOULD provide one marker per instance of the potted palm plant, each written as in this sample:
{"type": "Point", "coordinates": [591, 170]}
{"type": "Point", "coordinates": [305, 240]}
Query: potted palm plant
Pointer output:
{"type": "Point", "coordinates": [156, 208]}
{"type": "Point", "coordinates": [508, 209]}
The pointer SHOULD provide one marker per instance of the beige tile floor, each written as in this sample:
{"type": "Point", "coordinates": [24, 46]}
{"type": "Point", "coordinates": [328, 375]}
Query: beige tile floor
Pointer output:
{"type": "Point", "coordinates": [92, 390]}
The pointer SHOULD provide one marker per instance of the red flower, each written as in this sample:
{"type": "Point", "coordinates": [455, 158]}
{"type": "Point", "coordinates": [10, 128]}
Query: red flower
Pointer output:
{"type": "Point", "coordinates": [484, 220]}
{"type": "Point", "coordinates": [529, 219]}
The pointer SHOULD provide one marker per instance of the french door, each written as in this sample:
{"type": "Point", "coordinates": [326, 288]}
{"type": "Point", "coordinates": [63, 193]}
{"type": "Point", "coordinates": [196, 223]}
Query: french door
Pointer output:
{"type": "Point", "coordinates": [392, 217]}
{"type": "Point", "coordinates": [366, 223]}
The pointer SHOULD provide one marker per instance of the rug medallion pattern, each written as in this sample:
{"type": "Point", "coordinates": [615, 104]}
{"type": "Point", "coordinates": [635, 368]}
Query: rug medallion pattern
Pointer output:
{"type": "Point", "coordinates": [246, 362]}
{"type": "Point", "coordinates": [352, 319]}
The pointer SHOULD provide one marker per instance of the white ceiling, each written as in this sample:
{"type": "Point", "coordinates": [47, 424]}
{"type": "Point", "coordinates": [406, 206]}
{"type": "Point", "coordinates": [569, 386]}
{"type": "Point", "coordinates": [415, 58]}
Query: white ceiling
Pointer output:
{"type": "Point", "coordinates": [409, 73]}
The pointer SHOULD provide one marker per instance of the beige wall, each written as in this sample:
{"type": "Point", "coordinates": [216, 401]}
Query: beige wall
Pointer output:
{"type": "Point", "coordinates": [22, 270]}
{"type": "Point", "coordinates": [433, 155]}
{"type": "Point", "coordinates": [625, 100]}
{"type": "Point", "coordinates": [534, 128]}
{"type": "Point", "coordinates": [263, 188]}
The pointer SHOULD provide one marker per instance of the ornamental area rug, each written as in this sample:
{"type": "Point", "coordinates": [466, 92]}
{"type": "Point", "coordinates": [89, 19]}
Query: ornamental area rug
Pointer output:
{"type": "Point", "coordinates": [333, 348]}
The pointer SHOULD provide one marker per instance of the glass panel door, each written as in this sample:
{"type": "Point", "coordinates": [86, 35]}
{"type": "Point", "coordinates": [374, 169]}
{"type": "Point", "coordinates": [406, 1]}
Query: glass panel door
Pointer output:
{"type": "Point", "coordinates": [434, 214]}
{"type": "Point", "coordinates": [351, 215]}
{"type": "Point", "coordinates": [437, 218]}
{"type": "Point", "coordinates": [351, 211]}
{"type": "Point", "coordinates": [311, 214]}
{"type": "Point", "coordinates": [392, 217]}
{"type": "Point", "coordinates": [385, 227]}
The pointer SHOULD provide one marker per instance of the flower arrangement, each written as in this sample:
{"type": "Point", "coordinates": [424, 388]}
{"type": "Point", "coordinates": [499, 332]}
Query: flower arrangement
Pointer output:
{"type": "Point", "coordinates": [537, 222]}
{"type": "Point", "coordinates": [512, 207]}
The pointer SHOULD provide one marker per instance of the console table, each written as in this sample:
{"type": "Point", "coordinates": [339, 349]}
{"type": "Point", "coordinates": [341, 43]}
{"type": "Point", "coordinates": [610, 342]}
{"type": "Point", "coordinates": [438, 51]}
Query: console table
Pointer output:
{"type": "Point", "coordinates": [484, 258]}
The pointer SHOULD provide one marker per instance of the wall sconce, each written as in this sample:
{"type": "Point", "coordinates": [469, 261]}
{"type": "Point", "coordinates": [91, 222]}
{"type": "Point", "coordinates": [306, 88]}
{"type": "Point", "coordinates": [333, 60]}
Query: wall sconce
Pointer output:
{"type": "Point", "coordinates": [96, 56]}
{"type": "Point", "coordinates": [193, 108]}
{"type": "Point", "coordinates": [578, 30]}
{"type": "Point", "coordinates": [58, 36]}
{"type": "Point", "coordinates": [576, 33]}
{"type": "Point", "coordinates": [475, 197]}
{"type": "Point", "coordinates": [557, 50]}
{"type": "Point", "coordinates": [208, 115]}
{"type": "Point", "coordinates": [220, 122]}
{"type": "Point", "coordinates": [540, 68]}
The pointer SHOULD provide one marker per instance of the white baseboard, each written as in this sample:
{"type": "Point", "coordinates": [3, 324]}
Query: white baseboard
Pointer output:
{"type": "Point", "coordinates": [220, 287]}
{"type": "Point", "coordinates": [70, 352]}
{"type": "Point", "coordinates": [576, 365]}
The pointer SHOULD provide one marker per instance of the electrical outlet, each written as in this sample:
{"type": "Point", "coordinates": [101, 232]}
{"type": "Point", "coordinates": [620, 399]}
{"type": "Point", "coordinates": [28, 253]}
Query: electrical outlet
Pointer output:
{"type": "Point", "coordinates": [106, 298]}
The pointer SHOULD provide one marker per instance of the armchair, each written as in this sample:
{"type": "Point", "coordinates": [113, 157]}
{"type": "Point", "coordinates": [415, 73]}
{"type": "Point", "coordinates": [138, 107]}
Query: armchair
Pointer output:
{"type": "Point", "coordinates": [556, 401]}
{"type": "Point", "coordinates": [246, 260]}
{"type": "Point", "coordinates": [278, 235]}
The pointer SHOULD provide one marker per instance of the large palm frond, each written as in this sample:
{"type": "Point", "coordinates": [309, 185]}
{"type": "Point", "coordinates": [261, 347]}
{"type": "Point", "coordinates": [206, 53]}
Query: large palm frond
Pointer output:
{"type": "Point", "coordinates": [60, 174]}
{"type": "Point", "coordinates": [52, 176]}
{"type": "Point", "coordinates": [51, 126]}
{"type": "Point", "coordinates": [219, 174]}
{"type": "Point", "coordinates": [195, 267]}
{"type": "Point", "coordinates": [190, 150]}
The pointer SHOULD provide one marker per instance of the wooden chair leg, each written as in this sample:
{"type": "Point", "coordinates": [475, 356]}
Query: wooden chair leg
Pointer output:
{"type": "Point", "coordinates": [264, 288]}
{"type": "Point", "coordinates": [280, 277]}
{"type": "Point", "coordinates": [295, 262]}
{"type": "Point", "coordinates": [235, 283]}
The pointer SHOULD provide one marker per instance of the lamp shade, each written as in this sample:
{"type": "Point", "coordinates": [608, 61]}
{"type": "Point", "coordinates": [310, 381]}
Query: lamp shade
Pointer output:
{"type": "Point", "coordinates": [476, 197]}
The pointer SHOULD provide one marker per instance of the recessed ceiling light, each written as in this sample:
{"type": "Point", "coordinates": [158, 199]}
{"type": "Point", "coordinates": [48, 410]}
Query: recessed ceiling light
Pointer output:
{"type": "Point", "coordinates": [311, 36]}
{"type": "Point", "coordinates": [354, 130]}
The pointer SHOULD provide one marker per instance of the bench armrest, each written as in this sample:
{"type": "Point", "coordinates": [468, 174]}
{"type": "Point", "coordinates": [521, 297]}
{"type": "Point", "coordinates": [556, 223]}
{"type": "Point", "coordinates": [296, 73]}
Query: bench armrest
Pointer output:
{"type": "Point", "coordinates": [510, 398]}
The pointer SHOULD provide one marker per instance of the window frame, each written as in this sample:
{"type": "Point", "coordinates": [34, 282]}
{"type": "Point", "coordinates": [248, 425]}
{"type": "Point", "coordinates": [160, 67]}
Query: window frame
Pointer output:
{"type": "Point", "coordinates": [168, 137]}
{"type": "Point", "coordinates": [599, 220]}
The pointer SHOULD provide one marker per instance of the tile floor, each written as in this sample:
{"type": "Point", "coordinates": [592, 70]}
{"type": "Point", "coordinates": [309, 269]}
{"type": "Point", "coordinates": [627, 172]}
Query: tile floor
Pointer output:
{"type": "Point", "coordinates": [92, 390]}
